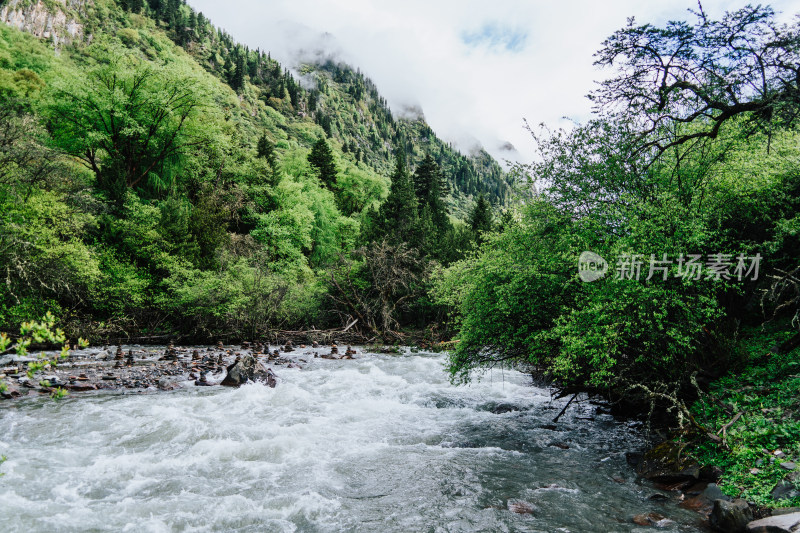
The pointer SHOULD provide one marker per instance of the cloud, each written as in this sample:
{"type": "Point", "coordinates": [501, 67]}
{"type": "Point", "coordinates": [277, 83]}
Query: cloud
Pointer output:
{"type": "Point", "coordinates": [475, 68]}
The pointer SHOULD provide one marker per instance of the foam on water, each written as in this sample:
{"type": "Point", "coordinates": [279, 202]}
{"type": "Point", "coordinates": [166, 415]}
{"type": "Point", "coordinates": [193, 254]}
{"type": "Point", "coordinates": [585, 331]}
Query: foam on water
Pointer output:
{"type": "Point", "coordinates": [380, 443]}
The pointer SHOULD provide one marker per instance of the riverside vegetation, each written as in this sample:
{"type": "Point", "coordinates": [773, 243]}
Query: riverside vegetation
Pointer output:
{"type": "Point", "coordinates": [162, 180]}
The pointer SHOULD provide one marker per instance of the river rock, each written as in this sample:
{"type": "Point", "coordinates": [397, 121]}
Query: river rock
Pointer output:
{"type": "Point", "coordinates": [247, 368]}
{"type": "Point", "coordinates": [730, 517]}
{"type": "Point", "coordinates": [666, 464]}
{"type": "Point", "coordinates": [652, 519]}
{"type": "Point", "coordinates": [787, 523]}
{"type": "Point", "coordinates": [10, 392]}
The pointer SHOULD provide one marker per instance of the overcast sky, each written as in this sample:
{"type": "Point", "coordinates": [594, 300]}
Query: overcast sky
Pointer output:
{"type": "Point", "coordinates": [477, 68]}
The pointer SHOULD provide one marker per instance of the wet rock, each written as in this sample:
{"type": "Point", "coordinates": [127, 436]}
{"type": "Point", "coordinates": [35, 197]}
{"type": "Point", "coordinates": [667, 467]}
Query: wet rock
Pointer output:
{"type": "Point", "coordinates": [703, 502]}
{"type": "Point", "coordinates": [652, 519]}
{"type": "Point", "coordinates": [666, 464]}
{"type": "Point", "coordinates": [521, 507]}
{"type": "Point", "coordinates": [246, 369]}
{"type": "Point", "coordinates": [203, 381]}
{"type": "Point", "coordinates": [788, 466]}
{"type": "Point", "coordinates": [501, 408]}
{"type": "Point", "coordinates": [167, 385]}
{"type": "Point", "coordinates": [730, 517]}
{"type": "Point", "coordinates": [560, 445]}
{"type": "Point", "coordinates": [787, 523]}
{"type": "Point", "coordinates": [10, 392]}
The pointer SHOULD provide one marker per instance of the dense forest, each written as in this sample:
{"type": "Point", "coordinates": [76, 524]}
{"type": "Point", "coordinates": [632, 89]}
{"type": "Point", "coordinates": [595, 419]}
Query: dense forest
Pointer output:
{"type": "Point", "coordinates": [159, 178]}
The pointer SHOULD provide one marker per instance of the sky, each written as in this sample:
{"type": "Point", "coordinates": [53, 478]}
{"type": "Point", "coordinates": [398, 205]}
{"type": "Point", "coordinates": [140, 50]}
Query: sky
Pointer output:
{"type": "Point", "coordinates": [476, 68]}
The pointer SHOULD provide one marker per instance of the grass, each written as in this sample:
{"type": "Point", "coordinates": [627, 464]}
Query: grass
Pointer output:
{"type": "Point", "coordinates": [764, 389]}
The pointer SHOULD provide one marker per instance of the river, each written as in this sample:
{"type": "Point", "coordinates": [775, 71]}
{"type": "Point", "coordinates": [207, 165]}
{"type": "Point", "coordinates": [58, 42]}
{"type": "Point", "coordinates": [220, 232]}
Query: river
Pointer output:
{"type": "Point", "coordinates": [381, 443]}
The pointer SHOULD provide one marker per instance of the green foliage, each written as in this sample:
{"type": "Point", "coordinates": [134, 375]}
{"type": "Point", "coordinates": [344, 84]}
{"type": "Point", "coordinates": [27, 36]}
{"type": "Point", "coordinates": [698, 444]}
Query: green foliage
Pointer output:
{"type": "Point", "coordinates": [130, 122]}
{"type": "Point", "coordinates": [765, 393]}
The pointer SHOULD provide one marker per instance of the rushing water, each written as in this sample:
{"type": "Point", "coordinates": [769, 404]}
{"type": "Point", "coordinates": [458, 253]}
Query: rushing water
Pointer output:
{"type": "Point", "coordinates": [380, 443]}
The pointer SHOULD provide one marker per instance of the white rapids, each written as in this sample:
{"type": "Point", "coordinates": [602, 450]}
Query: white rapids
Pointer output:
{"type": "Point", "coordinates": [380, 443]}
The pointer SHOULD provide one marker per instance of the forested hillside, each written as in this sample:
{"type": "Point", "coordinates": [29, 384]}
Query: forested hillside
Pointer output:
{"type": "Point", "coordinates": [159, 178]}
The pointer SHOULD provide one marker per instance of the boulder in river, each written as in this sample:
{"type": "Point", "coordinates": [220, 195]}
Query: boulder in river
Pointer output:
{"type": "Point", "coordinates": [730, 517]}
{"type": "Point", "coordinates": [247, 368]}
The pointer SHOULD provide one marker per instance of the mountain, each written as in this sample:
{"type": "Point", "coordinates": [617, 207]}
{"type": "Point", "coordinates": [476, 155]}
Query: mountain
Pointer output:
{"type": "Point", "coordinates": [338, 98]}
{"type": "Point", "coordinates": [156, 176]}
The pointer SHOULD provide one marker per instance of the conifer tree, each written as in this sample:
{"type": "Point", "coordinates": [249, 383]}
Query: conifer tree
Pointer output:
{"type": "Point", "coordinates": [481, 218]}
{"type": "Point", "coordinates": [397, 220]}
{"type": "Point", "coordinates": [266, 150]}
{"type": "Point", "coordinates": [321, 158]}
{"type": "Point", "coordinates": [431, 189]}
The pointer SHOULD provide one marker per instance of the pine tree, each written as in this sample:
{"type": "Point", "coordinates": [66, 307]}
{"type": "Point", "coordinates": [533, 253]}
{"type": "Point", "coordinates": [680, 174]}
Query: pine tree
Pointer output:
{"type": "Point", "coordinates": [237, 79]}
{"type": "Point", "coordinates": [397, 220]}
{"type": "Point", "coordinates": [321, 158]}
{"type": "Point", "coordinates": [481, 218]}
{"type": "Point", "coordinates": [431, 190]}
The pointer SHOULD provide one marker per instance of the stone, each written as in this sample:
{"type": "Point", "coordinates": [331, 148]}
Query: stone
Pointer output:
{"type": "Point", "coordinates": [10, 392]}
{"type": "Point", "coordinates": [787, 523]}
{"type": "Point", "coordinates": [246, 369]}
{"type": "Point", "coordinates": [666, 464]}
{"type": "Point", "coordinates": [730, 517]}
{"type": "Point", "coordinates": [648, 519]}
{"type": "Point", "coordinates": [81, 386]}
{"type": "Point", "coordinates": [520, 507]}
{"type": "Point", "coordinates": [788, 466]}
{"type": "Point", "coordinates": [202, 382]}
{"type": "Point", "coordinates": [787, 488]}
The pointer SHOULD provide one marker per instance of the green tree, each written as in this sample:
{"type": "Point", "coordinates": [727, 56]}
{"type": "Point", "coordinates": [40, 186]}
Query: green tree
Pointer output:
{"type": "Point", "coordinates": [397, 219]}
{"type": "Point", "coordinates": [431, 189]}
{"type": "Point", "coordinates": [129, 122]}
{"type": "Point", "coordinates": [321, 158]}
{"type": "Point", "coordinates": [481, 219]}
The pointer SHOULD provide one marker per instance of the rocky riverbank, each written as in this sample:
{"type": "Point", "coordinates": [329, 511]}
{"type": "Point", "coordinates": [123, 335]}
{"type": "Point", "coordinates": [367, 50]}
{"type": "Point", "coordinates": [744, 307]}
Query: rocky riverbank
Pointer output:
{"type": "Point", "coordinates": [683, 480]}
{"type": "Point", "coordinates": [151, 368]}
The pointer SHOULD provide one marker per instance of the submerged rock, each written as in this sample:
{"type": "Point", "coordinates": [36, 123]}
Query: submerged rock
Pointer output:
{"type": "Point", "coordinates": [246, 369]}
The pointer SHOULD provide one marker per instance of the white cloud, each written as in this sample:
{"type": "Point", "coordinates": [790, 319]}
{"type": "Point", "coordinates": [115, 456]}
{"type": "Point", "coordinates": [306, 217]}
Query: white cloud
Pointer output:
{"type": "Point", "coordinates": [476, 68]}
